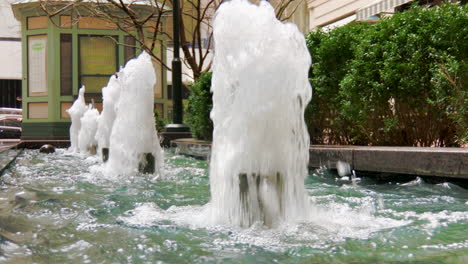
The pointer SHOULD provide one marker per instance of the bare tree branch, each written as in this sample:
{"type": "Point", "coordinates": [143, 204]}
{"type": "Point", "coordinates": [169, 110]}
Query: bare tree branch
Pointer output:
{"type": "Point", "coordinates": [287, 17]}
{"type": "Point", "coordinates": [145, 23]}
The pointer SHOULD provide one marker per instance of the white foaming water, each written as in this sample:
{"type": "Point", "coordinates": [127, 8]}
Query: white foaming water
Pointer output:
{"type": "Point", "coordinates": [344, 213]}
{"type": "Point", "coordinates": [335, 223]}
{"type": "Point", "coordinates": [260, 143]}
{"type": "Point", "coordinates": [76, 111]}
{"type": "Point", "coordinates": [87, 134]}
{"type": "Point", "coordinates": [134, 131]}
{"type": "Point", "coordinates": [110, 95]}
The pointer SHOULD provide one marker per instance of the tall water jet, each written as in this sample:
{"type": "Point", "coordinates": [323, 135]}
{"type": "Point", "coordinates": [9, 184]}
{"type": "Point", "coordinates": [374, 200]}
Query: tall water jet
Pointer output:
{"type": "Point", "coordinates": [134, 139]}
{"type": "Point", "coordinates": [87, 142]}
{"type": "Point", "coordinates": [110, 97]}
{"type": "Point", "coordinates": [260, 142]}
{"type": "Point", "coordinates": [76, 111]}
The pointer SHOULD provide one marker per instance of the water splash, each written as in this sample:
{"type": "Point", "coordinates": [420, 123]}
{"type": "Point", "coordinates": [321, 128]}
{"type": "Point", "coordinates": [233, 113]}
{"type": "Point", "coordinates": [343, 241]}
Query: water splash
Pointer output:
{"type": "Point", "coordinates": [260, 142]}
{"type": "Point", "coordinates": [134, 130]}
{"type": "Point", "coordinates": [86, 137]}
{"type": "Point", "coordinates": [110, 97]}
{"type": "Point", "coordinates": [76, 111]}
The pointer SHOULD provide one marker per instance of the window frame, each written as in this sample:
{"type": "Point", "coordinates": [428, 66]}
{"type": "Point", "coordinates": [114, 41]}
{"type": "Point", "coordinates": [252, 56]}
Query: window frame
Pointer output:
{"type": "Point", "coordinates": [28, 69]}
{"type": "Point", "coordinates": [80, 75]}
{"type": "Point", "coordinates": [70, 62]}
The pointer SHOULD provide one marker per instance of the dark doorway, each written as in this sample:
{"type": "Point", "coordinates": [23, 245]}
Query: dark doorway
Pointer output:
{"type": "Point", "coordinates": [10, 93]}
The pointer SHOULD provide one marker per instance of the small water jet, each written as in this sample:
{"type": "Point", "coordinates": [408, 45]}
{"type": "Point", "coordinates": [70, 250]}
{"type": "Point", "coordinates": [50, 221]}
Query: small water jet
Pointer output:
{"type": "Point", "coordinates": [110, 97]}
{"type": "Point", "coordinates": [86, 137]}
{"type": "Point", "coordinates": [76, 111]}
{"type": "Point", "coordinates": [260, 142]}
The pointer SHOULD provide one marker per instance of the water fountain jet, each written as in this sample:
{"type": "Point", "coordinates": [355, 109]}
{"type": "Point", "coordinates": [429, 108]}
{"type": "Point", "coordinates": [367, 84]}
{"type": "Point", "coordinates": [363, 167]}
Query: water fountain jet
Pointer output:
{"type": "Point", "coordinates": [86, 137]}
{"type": "Point", "coordinates": [76, 111]}
{"type": "Point", "coordinates": [260, 142]}
{"type": "Point", "coordinates": [134, 143]}
{"type": "Point", "coordinates": [110, 97]}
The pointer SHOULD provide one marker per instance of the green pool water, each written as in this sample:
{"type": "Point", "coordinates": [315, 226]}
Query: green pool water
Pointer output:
{"type": "Point", "coordinates": [60, 208]}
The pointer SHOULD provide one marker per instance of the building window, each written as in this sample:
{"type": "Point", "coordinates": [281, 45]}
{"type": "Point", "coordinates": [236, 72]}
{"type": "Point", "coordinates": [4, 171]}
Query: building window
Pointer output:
{"type": "Point", "coordinates": [129, 48]}
{"type": "Point", "coordinates": [37, 65]}
{"type": "Point", "coordinates": [37, 22]}
{"type": "Point", "coordinates": [38, 110]}
{"type": "Point", "coordinates": [98, 61]}
{"type": "Point", "coordinates": [10, 93]}
{"type": "Point", "coordinates": [66, 64]}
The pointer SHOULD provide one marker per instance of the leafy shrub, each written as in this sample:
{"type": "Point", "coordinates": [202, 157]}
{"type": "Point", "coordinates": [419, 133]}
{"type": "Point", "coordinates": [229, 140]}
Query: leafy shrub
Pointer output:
{"type": "Point", "coordinates": [199, 106]}
{"type": "Point", "coordinates": [160, 123]}
{"type": "Point", "coordinates": [331, 53]}
{"type": "Point", "coordinates": [401, 81]}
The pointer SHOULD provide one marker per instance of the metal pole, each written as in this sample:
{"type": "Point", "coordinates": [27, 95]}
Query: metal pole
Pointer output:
{"type": "Point", "coordinates": [177, 110]}
{"type": "Point", "coordinates": [176, 68]}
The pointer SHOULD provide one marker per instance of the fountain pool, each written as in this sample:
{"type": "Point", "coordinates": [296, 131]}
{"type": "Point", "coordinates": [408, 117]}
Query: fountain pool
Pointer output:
{"type": "Point", "coordinates": [57, 208]}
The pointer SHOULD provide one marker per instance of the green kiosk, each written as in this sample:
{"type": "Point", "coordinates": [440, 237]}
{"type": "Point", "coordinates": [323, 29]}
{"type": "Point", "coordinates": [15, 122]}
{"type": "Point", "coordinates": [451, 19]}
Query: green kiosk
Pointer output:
{"type": "Point", "coordinates": [65, 52]}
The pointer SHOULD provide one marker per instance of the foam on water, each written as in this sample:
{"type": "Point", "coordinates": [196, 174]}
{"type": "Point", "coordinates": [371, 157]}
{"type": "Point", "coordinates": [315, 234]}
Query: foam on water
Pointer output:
{"type": "Point", "coordinates": [76, 111]}
{"type": "Point", "coordinates": [260, 143]}
{"type": "Point", "coordinates": [110, 97]}
{"type": "Point", "coordinates": [134, 131]}
{"type": "Point", "coordinates": [62, 196]}
{"type": "Point", "coordinates": [336, 223]}
{"type": "Point", "coordinates": [87, 134]}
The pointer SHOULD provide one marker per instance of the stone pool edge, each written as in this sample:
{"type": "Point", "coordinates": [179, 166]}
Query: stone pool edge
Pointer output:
{"type": "Point", "coordinates": [418, 161]}
{"type": "Point", "coordinates": [8, 154]}
{"type": "Point", "coordinates": [451, 163]}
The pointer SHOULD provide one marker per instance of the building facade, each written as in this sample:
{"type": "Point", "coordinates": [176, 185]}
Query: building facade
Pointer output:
{"type": "Point", "coordinates": [328, 14]}
{"type": "Point", "coordinates": [10, 57]}
{"type": "Point", "coordinates": [62, 54]}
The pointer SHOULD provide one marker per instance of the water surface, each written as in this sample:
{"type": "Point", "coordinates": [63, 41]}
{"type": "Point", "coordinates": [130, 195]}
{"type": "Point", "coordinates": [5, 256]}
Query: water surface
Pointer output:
{"type": "Point", "coordinates": [60, 208]}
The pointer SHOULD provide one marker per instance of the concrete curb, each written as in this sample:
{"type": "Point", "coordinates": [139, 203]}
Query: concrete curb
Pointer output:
{"type": "Point", "coordinates": [443, 162]}
{"type": "Point", "coordinates": [431, 162]}
{"type": "Point", "coordinates": [439, 162]}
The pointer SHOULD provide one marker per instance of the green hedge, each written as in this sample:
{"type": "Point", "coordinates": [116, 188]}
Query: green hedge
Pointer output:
{"type": "Point", "coordinates": [401, 81]}
{"type": "Point", "coordinates": [159, 122]}
{"type": "Point", "coordinates": [199, 107]}
{"type": "Point", "coordinates": [331, 54]}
